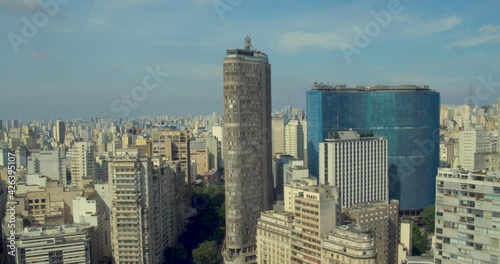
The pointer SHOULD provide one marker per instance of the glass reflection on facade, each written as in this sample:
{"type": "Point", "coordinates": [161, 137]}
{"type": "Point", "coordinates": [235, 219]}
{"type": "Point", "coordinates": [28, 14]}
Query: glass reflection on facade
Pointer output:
{"type": "Point", "coordinates": [408, 116]}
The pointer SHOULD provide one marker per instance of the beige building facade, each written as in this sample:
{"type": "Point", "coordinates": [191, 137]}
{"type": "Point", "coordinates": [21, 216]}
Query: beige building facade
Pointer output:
{"type": "Point", "coordinates": [349, 244]}
{"type": "Point", "coordinates": [274, 230]}
{"type": "Point", "coordinates": [381, 218]}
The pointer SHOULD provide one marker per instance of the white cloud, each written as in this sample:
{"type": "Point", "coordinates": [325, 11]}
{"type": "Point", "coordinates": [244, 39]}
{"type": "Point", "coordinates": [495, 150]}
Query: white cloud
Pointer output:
{"type": "Point", "coordinates": [435, 26]}
{"type": "Point", "coordinates": [487, 34]}
{"type": "Point", "coordinates": [297, 40]}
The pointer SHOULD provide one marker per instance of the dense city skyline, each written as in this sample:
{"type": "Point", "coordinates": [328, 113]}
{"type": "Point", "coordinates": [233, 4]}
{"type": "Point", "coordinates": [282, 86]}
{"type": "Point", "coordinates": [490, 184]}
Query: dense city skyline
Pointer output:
{"type": "Point", "coordinates": [90, 53]}
{"type": "Point", "coordinates": [249, 132]}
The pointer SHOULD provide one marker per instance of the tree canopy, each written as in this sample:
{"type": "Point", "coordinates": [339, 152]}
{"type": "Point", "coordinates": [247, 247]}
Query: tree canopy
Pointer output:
{"type": "Point", "coordinates": [428, 218]}
{"type": "Point", "coordinates": [419, 241]}
{"type": "Point", "coordinates": [206, 253]}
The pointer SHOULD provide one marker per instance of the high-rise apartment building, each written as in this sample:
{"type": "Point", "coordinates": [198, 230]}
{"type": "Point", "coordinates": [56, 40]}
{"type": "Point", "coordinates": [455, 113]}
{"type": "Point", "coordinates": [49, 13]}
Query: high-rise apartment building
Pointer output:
{"type": "Point", "coordinates": [471, 142]}
{"type": "Point", "coordinates": [147, 210]}
{"type": "Point", "coordinates": [132, 208]}
{"type": "Point", "coordinates": [407, 116]}
{"type": "Point", "coordinates": [278, 130]}
{"type": "Point", "coordinates": [82, 164]}
{"type": "Point", "coordinates": [357, 165]}
{"type": "Point", "coordinates": [247, 148]}
{"type": "Point", "coordinates": [467, 217]}
{"type": "Point", "coordinates": [381, 218]}
{"type": "Point", "coordinates": [4, 156]}
{"type": "Point", "coordinates": [294, 139]}
{"type": "Point", "coordinates": [174, 145]}
{"type": "Point", "coordinates": [60, 131]}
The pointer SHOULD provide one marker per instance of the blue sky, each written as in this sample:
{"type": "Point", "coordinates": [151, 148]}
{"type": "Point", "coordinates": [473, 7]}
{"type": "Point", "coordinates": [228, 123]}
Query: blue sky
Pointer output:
{"type": "Point", "coordinates": [91, 52]}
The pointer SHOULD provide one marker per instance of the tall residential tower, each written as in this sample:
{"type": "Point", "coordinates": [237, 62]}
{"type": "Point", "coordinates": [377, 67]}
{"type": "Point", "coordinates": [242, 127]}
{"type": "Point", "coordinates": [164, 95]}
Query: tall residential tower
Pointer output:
{"type": "Point", "coordinates": [247, 148]}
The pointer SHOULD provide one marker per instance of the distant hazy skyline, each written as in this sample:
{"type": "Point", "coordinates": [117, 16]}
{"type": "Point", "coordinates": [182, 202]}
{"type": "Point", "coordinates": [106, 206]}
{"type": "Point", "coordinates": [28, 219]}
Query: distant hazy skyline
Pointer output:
{"type": "Point", "coordinates": [91, 52]}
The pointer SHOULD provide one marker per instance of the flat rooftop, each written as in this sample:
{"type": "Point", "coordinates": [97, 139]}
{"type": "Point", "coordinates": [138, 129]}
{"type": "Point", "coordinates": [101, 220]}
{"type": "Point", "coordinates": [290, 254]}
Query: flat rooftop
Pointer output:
{"type": "Point", "coordinates": [321, 86]}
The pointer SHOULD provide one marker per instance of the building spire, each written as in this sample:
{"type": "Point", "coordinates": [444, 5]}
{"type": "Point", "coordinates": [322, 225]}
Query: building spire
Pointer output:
{"type": "Point", "coordinates": [248, 42]}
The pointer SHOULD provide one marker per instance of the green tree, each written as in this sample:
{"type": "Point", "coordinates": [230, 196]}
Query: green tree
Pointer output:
{"type": "Point", "coordinates": [428, 216]}
{"type": "Point", "coordinates": [206, 253]}
{"type": "Point", "coordinates": [175, 254]}
{"type": "Point", "coordinates": [419, 241]}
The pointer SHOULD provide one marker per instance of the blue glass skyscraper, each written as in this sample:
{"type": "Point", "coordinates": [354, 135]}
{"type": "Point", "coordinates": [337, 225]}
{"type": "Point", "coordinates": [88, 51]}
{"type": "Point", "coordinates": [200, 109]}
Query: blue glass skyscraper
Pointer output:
{"type": "Point", "coordinates": [408, 116]}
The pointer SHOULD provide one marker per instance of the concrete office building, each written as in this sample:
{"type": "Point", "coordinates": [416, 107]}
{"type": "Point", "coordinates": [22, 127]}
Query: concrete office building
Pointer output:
{"type": "Point", "coordinates": [467, 217]}
{"type": "Point", "coordinates": [22, 154]}
{"type": "Point", "coordinates": [214, 152]}
{"type": "Point", "coordinates": [218, 132]}
{"type": "Point", "coordinates": [247, 148]}
{"type": "Point", "coordinates": [316, 212]}
{"type": "Point", "coordinates": [202, 160]}
{"type": "Point", "coordinates": [274, 232]}
{"type": "Point", "coordinates": [357, 165]}
{"type": "Point", "coordinates": [381, 218]}
{"type": "Point", "coordinates": [304, 130]}
{"type": "Point", "coordinates": [349, 244]}
{"type": "Point", "coordinates": [487, 161]}
{"type": "Point", "coordinates": [145, 146]}
{"type": "Point", "coordinates": [43, 202]}
{"type": "Point", "coordinates": [51, 164]}
{"type": "Point", "coordinates": [294, 139]}
{"type": "Point", "coordinates": [57, 244]}
{"type": "Point", "coordinates": [279, 161]}
{"type": "Point", "coordinates": [405, 240]}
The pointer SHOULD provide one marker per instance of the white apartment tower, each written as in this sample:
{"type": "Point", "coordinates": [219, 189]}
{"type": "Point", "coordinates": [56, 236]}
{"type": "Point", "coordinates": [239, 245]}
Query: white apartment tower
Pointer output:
{"type": "Point", "coordinates": [467, 217]}
{"type": "Point", "coordinates": [278, 131]}
{"type": "Point", "coordinates": [82, 162]}
{"type": "Point", "coordinates": [131, 214]}
{"type": "Point", "coordinates": [356, 165]}
{"type": "Point", "coordinates": [294, 139]}
{"type": "Point", "coordinates": [469, 143]}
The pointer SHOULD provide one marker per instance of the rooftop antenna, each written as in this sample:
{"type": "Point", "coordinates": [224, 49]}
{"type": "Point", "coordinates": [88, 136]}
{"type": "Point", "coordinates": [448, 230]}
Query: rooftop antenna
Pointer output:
{"type": "Point", "coordinates": [248, 42]}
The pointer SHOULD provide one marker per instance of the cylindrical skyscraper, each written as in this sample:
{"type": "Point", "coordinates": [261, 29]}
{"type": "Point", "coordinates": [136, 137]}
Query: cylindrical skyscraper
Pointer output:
{"type": "Point", "coordinates": [247, 148]}
{"type": "Point", "coordinates": [408, 116]}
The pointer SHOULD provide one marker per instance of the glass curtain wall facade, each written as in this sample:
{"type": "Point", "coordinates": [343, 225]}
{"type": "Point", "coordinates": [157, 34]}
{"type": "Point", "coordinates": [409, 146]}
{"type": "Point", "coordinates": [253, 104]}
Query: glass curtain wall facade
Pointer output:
{"type": "Point", "coordinates": [408, 116]}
